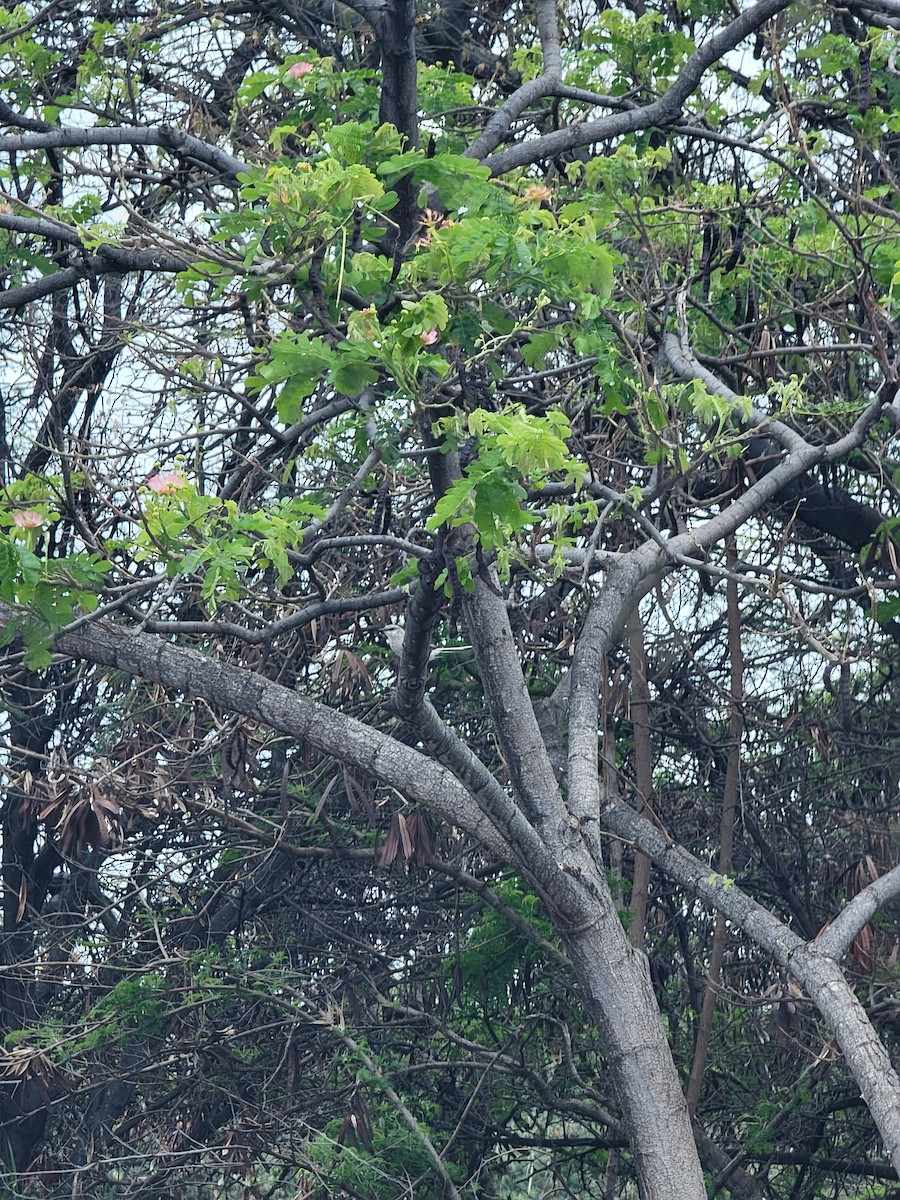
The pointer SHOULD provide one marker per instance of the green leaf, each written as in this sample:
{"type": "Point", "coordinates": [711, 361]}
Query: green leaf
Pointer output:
{"type": "Point", "coordinates": [538, 346]}
{"type": "Point", "coordinates": [354, 369]}
{"type": "Point", "coordinates": [301, 362]}
{"type": "Point", "coordinates": [452, 503]}
{"type": "Point", "coordinates": [38, 642]}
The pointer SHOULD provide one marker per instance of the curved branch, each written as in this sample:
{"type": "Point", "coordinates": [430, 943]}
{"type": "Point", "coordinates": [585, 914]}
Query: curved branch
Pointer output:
{"type": "Point", "coordinates": [111, 257]}
{"type": "Point", "coordinates": [681, 359]}
{"type": "Point", "coordinates": [884, 14]}
{"type": "Point", "coordinates": [546, 84]}
{"type": "Point", "coordinates": [807, 962]}
{"type": "Point", "coordinates": [258, 637]}
{"type": "Point", "coordinates": [184, 145]}
{"type": "Point", "coordinates": [241, 691]}
{"type": "Point", "coordinates": [8, 115]}
{"type": "Point", "coordinates": [354, 541]}
{"type": "Point", "coordinates": [659, 113]}
{"type": "Point", "coordinates": [834, 513]}
{"type": "Point", "coordinates": [836, 939]}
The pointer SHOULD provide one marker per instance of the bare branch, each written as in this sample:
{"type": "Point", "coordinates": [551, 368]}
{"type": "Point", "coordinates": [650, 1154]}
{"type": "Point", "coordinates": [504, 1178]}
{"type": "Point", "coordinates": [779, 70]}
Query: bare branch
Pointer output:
{"type": "Point", "coordinates": [259, 637]}
{"type": "Point", "coordinates": [806, 962]}
{"type": "Point", "coordinates": [836, 940]}
{"type": "Point", "coordinates": [659, 114]}
{"type": "Point", "coordinates": [240, 691]}
{"type": "Point", "coordinates": [545, 84]}
{"type": "Point", "coordinates": [184, 145]}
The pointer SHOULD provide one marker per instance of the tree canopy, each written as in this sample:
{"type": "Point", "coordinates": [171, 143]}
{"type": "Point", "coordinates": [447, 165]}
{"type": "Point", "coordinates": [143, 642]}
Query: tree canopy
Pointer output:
{"type": "Point", "coordinates": [450, 599]}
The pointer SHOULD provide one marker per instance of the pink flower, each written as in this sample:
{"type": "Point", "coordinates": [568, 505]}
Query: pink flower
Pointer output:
{"type": "Point", "coordinates": [298, 69]}
{"type": "Point", "coordinates": [537, 191]}
{"type": "Point", "coordinates": [166, 483]}
{"type": "Point", "coordinates": [429, 337]}
{"type": "Point", "coordinates": [28, 519]}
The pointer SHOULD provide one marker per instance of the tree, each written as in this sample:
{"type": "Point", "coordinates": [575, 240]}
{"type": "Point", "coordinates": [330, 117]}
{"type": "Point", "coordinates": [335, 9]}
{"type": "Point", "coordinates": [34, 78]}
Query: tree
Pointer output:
{"type": "Point", "coordinates": [567, 341]}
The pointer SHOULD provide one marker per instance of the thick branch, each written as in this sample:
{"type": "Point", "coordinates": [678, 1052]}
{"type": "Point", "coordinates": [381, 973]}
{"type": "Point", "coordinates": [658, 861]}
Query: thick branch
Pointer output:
{"type": "Point", "coordinates": [413, 707]}
{"type": "Point", "coordinates": [112, 257]}
{"type": "Point", "coordinates": [182, 144]}
{"type": "Point", "coordinates": [662, 112]}
{"type": "Point", "coordinates": [59, 281]}
{"type": "Point", "coordinates": [530, 769]}
{"type": "Point", "coordinates": [815, 969]}
{"type": "Point", "coordinates": [395, 30]}
{"type": "Point", "coordinates": [546, 84]}
{"type": "Point", "coordinates": [237, 690]}
{"type": "Point", "coordinates": [836, 939]}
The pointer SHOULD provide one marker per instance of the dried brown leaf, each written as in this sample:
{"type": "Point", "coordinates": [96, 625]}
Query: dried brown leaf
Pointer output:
{"type": "Point", "coordinates": [391, 845]}
{"type": "Point", "coordinates": [405, 839]}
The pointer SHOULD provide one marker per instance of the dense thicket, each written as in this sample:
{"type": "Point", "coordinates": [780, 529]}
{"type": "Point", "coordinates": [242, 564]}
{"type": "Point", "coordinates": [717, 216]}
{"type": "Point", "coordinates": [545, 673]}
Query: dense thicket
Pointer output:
{"type": "Point", "coordinates": [449, 575]}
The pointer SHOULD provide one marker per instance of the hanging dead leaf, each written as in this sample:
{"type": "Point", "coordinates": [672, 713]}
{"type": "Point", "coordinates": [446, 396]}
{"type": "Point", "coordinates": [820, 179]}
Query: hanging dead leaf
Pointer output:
{"type": "Point", "coordinates": [89, 817]}
{"type": "Point", "coordinates": [409, 836]}
{"type": "Point", "coordinates": [405, 839]}
{"type": "Point", "coordinates": [356, 1127]}
{"type": "Point", "coordinates": [391, 845]}
{"type": "Point", "coordinates": [28, 1062]}
{"type": "Point", "coordinates": [234, 763]}
{"type": "Point", "coordinates": [420, 834]}
{"type": "Point", "coordinates": [349, 674]}
{"type": "Point", "coordinates": [106, 812]}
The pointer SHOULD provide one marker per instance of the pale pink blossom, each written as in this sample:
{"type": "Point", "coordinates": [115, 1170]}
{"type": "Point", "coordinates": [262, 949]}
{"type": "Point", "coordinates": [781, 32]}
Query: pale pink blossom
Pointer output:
{"type": "Point", "coordinates": [537, 191]}
{"type": "Point", "coordinates": [166, 483]}
{"type": "Point", "coordinates": [298, 69]}
{"type": "Point", "coordinates": [28, 519]}
{"type": "Point", "coordinates": [429, 337]}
